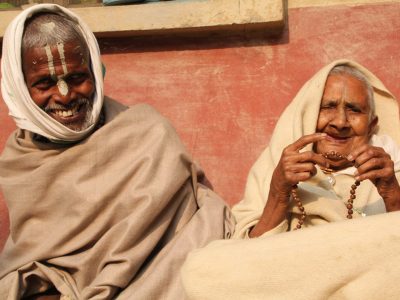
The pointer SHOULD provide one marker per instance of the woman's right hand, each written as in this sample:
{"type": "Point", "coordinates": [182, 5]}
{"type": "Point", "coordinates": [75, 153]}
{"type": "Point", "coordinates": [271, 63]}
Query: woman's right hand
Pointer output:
{"type": "Point", "coordinates": [294, 166]}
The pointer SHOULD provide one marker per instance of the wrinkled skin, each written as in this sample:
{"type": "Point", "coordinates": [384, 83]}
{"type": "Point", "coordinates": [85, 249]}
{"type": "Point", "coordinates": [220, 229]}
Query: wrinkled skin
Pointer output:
{"type": "Point", "coordinates": [345, 125]}
{"type": "Point", "coordinates": [64, 105]}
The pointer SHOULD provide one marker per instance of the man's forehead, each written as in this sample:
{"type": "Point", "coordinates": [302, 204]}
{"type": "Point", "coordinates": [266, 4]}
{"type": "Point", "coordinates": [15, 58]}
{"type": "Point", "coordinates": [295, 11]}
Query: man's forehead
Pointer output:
{"type": "Point", "coordinates": [69, 49]}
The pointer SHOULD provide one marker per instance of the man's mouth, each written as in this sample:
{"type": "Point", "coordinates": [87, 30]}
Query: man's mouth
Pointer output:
{"type": "Point", "coordinates": [76, 115]}
{"type": "Point", "coordinates": [66, 113]}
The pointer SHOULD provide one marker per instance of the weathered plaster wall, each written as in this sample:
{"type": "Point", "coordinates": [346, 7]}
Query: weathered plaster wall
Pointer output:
{"type": "Point", "coordinates": [224, 94]}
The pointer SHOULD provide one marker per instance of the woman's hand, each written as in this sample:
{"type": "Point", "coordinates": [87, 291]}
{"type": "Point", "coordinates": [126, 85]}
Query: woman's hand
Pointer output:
{"type": "Point", "coordinates": [375, 164]}
{"type": "Point", "coordinates": [294, 166]}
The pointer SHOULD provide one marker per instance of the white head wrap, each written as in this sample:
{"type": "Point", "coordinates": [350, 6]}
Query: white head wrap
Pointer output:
{"type": "Point", "coordinates": [26, 114]}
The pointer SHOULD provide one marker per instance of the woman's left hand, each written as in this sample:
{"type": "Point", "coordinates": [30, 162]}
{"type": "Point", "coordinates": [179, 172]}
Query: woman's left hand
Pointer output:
{"type": "Point", "coordinates": [375, 164]}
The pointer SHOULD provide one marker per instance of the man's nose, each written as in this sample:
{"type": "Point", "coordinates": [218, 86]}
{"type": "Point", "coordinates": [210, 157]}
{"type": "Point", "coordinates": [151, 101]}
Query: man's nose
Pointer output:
{"type": "Point", "coordinates": [62, 93]}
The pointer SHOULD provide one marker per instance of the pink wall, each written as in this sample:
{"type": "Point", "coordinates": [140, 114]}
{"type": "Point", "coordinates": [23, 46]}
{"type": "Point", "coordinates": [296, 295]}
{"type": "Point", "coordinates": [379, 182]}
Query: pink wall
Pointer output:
{"type": "Point", "coordinates": [224, 95]}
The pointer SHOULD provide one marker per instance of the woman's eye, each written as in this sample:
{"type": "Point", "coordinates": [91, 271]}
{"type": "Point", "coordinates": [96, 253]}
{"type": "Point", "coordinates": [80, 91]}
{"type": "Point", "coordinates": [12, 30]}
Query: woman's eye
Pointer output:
{"type": "Point", "coordinates": [327, 106]}
{"type": "Point", "coordinates": [354, 109]}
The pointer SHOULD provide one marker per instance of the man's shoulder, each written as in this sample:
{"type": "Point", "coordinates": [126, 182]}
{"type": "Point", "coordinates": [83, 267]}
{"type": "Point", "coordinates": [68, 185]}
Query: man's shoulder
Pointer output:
{"type": "Point", "coordinates": [114, 108]}
{"type": "Point", "coordinates": [140, 114]}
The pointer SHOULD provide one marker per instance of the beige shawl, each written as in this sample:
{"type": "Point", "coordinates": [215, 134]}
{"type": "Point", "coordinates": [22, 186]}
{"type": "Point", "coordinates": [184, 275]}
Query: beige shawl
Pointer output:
{"type": "Point", "coordinates": [113, 216]}
{"type": "Point", "coordinates": [322, 203]}
{"type": "Point", "coordinates": [351, 259]}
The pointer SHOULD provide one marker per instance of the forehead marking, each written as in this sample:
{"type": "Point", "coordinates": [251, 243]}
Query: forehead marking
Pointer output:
{"type": "Point", "coordinates": [60, 48]}
{"type": "Point", "coordinates": [50, 61]}
{"type": "Point", "coordinates": [62, 87]}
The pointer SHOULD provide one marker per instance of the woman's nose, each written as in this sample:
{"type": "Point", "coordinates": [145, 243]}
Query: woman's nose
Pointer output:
{"type": "Point", "coordinates": [340, 119]}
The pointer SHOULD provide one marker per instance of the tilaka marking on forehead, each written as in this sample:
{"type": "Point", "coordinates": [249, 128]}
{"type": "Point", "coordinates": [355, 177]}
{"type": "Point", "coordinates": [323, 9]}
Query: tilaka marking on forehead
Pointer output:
{"type": "Point", "coordinates": [50, 61]}
{"type": "Point", "coordinates": [60, 48]}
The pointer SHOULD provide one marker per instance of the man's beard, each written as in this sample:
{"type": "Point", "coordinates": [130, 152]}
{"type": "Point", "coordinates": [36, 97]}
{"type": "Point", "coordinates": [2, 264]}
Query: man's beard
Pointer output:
{"type": "Point", "coordinates": [75, 106]}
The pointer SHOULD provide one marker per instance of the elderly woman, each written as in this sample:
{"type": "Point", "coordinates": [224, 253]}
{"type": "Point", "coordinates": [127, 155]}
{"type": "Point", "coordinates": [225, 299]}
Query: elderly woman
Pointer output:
{"type": "Point", "coordinates": [333, 156]}
{"type": "Point", "coordinates": [338, 122]}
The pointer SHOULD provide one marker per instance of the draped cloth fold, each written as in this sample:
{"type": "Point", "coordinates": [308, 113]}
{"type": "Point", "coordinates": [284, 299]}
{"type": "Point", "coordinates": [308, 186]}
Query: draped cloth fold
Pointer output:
{"type": "Point", "coordinates": [340, 258]}
{"type": "Point", "coordinates": [111, 217]}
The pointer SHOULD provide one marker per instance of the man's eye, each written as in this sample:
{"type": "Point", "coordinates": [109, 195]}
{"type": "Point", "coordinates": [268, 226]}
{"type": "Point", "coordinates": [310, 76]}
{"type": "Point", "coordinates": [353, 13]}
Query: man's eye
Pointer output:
{"type": "Point", "coordinates": [76, 78]}
{"type": "Point", "coordinates": [44, 83]}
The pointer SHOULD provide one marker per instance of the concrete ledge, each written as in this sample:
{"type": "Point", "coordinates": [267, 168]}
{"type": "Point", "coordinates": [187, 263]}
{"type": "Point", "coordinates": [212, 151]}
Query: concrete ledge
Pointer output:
{"type": "Point", "coordinates": [177, 16]}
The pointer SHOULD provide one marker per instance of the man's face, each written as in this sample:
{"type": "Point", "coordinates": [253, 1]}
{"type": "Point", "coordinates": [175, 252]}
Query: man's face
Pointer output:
{"type": "Point", "coordinates": [60, 81]}
{"type": "Point", "coordinates": [344, 115]}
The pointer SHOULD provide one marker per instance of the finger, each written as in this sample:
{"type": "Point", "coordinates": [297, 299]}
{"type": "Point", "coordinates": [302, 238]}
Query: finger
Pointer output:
{"type": "Point", "coordinates": [373, 163]}
{"type": "Point", "coordinates": [300, 168]}
{"type": "Point", "coordinates": [374, 175]}
{"type": "Point", "coordinates": [364, 151]}
{"type": "Point", "coordinates": [375, 154]}
{"type": "Point", "coordinates": [298, 177]}
{"type": "Point", "coordinates": [305, 140]}
{"type": "Point", "coordinates": [315, 158]}
{"type": "Point", "coordinates": [376, 167]}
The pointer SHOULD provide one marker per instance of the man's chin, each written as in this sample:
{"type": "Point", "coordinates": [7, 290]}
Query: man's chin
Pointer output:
{"type": "Point", "coordinates": [77, 127]}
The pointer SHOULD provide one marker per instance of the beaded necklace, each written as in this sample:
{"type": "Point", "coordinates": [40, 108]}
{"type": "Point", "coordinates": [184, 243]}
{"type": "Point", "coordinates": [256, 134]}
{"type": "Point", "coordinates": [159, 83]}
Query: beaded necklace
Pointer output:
{"type": "Point", "coordinates": [349, 204]}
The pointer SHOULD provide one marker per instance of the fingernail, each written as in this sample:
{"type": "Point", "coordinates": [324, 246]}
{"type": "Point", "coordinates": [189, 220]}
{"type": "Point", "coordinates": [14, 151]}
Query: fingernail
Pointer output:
{"type": "Point", "coordinates": [350, 157]}
{"type": "Point", "coordinates": [356, 173]}
{"type": "Point", "coordinates": [357, 178]}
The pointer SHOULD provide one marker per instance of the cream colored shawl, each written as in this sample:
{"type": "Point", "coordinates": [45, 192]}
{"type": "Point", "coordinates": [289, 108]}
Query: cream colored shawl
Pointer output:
{"type": "Point", "coordinates": [112, 217]}
{"type": "Point", "coordinates": [322, 203]}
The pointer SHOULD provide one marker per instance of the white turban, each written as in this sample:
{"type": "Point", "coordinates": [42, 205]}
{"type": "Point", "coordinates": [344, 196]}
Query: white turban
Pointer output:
{"type": "Point", "coordinates": [26, 114]}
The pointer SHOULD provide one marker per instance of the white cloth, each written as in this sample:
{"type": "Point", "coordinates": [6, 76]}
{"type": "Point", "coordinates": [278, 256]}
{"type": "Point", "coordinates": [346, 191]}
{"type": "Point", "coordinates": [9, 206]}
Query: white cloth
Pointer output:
{"type": "Point", "coordinates": [358, 259]}
{"type": "Point", "coordinates": [26, 114]}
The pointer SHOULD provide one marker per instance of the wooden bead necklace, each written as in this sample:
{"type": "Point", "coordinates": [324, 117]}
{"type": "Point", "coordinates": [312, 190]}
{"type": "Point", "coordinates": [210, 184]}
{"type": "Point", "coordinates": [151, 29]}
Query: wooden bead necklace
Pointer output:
{"type": "Point", "coordinates": [350, 201]}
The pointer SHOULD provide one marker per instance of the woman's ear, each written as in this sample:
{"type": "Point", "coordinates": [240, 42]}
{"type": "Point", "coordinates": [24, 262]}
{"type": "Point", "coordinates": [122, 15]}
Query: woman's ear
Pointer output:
{"type": "Point", "coordinates": [373, 126]}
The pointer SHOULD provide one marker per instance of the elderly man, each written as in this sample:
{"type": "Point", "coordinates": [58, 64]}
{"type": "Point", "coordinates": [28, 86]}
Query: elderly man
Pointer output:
{"type": "Point", "coordinates": [334, 156]}
{"type": "Point", "coordinates": [104, 201]}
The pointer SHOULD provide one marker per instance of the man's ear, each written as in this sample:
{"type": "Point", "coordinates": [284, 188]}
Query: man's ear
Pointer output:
{"type": "Point", "coordinates": [373, 126]}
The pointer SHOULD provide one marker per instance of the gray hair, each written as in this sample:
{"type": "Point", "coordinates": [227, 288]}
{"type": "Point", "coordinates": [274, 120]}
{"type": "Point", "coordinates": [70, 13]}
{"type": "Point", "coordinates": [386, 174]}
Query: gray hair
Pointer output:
{"type": "Point", "coordinates": [352, 71]}
{"type": "Point", "coordinates": [49, 29]}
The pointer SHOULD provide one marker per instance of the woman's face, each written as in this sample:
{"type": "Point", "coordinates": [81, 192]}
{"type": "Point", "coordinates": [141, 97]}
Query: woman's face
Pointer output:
{"type": "Point", "coordinates": [345, 116]}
